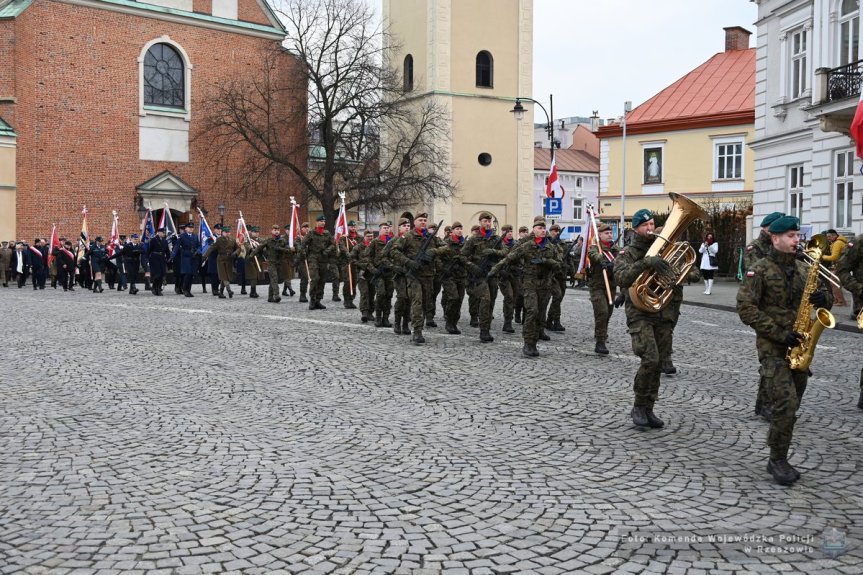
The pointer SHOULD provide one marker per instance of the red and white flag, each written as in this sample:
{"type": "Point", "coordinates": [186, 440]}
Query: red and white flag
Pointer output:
{"type": "Point", "coordinates": [85, 235]}
{"type": "Point", "coordinates": [583, 260]}
{"type": "Point", "coordinates": [242, 231]}
{"type": "Point", "coordinates": [53, 244]}
{"type": "Point", "coordinates": [857, 127]}
{"type": "Point", "coordinates": [341, 223]}
{"type": "Point", "coordinates": [295, 222]}
{"type": "Point", "coordinates": [553, 189]}
{"type": "Point", "coordinates": [115, 236]}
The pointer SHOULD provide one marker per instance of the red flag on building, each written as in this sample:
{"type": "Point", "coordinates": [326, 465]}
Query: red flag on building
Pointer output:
{"type": "Point", "coordinates": [857, 127]}
{"type": "Point", "coordinates": [553, 188]}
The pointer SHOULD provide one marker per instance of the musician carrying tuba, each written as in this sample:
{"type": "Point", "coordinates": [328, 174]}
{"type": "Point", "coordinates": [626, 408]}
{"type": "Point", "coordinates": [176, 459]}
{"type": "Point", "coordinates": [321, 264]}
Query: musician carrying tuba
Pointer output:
{"type": "Point", "coordinates": [782, 300]}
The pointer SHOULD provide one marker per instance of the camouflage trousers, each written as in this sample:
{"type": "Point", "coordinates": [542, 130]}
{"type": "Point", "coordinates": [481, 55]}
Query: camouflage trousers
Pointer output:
{"type": "Point", "coordinates": [602, 311]}
{"type": "Point", "coordinates": [402, 306]}
{"type": "Point", "coordinates": [304, 277]}
{"type": "Point", "coordinates": [420, 292]}
{"type": "Point", "coordinates": [317, 279]}
{"type": "Point", "coordinates": [349, 289]}
{"type": "Point", "coordinates": [508, 289]}
{"type": "Point", "coordinates": [367, 294]}
{"type": "Point", "coordinates": [453, 296]}
{"type": "Point", "coordinates": [383, 295]}
{"type": "Point", "coordinates": [670, 315]}
{"type": "Point", "coordinates": [651, 340]}
{"type": "Point", "coordinates": [558, 289]}
{"type": "Point", "coordinates": [483, 300]}
{"type": "Point", "coordinates": [536, 297]}
{"type": "Point", "coordinates": [785, 389]}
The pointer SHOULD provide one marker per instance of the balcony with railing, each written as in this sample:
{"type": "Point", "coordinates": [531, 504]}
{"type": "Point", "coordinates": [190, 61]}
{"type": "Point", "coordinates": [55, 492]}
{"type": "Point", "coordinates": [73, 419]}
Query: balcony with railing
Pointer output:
{"type": "Point", "coordinates": [835, 95]}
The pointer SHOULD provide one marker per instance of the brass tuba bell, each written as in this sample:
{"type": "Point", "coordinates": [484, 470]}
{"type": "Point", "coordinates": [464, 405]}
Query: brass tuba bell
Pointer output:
{"type": "Point", "coordinates": [650, 292]}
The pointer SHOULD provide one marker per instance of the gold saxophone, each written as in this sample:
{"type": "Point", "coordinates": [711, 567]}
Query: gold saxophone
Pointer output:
{"type": "Point", "coordinates": [809, 327]}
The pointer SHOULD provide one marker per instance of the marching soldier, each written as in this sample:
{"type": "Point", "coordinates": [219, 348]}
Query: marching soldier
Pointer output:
{"type": "Point", "coordinates": [346, 246]}
{"type": "Point", "coordinates": [408, 253]}
{"type": "Point", "coordinates": [453, 278]}
{"type": "Point", "coordinates": [227, 249]}
{"type": "Point", "coordinates": [380, 267]}
{"type": "Point", "coordinates": [538, 262]}
{"type": "Point", "coordinates": [287, 272]}
{"type": "Point", "coordinates": [364, 273]}
{"type": "Point", "coordinates": [481, 251]}
{"type": "Point", "coordinates": [318, 248]}
{"type": "Point", "coordinates": [523, 232]}
{"type": "Point", "coordinates": [768, 302]}
{"type": "Point", "coordinates": [472, 299]}
{"type": "Point", "coordinates": [402, 306]}
{"type": "Point", "coordinates": [253, 264]}
{"type": "Point", "coordinates": [647, 330]}
{"type": "Point", "coordinates": [558, 286]}
{"type": "Point", "coordinates": [158, 253]}
{"type": "Point", "coordinates": [849, 270]}
{"type": "Point", "coordinates": [507, 282]}
{"type": "Point", "coordinates": [300, 262]}
{"type": "Point", "coordinates": [273, 249]}
{"type": "Point", "coordinates": [602, 258]}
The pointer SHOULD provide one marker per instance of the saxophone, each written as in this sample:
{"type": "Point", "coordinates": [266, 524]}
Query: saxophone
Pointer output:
{"type": "Point", "coordinates": [809, 327]}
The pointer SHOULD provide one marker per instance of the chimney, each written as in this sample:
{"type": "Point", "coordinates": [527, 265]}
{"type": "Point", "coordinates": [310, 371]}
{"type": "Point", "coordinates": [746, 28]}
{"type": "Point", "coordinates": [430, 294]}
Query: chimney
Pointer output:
{"type": "Point", "coordinates": [736, 38]}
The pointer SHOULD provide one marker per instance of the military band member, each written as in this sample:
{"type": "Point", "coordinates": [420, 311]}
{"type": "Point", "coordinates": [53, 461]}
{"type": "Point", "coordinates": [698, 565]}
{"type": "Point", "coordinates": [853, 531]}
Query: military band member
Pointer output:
{"type": "Point", "coordinates": [649, 333]}
{"type": "Point", "coordinates": [481, 251]}
{"type": "Point", "coordinates": [159, 253]}
{"type": "Point", "coordinates": [226, 249]}
{"type": "Point", "coordinates": [538, 262]}
{"type": "Point", "coordinates": [849, 270]}
{"type": "Point", "coordinates": [601, 258]}
{"type": "Point", "coordinates": [318, 248]}
{"type": "Point", "coordinates": [558, 286]}
{"type": "Point", "coordinates": [419, 266]}
{"type": "Point", "coordinates": [768, 301]}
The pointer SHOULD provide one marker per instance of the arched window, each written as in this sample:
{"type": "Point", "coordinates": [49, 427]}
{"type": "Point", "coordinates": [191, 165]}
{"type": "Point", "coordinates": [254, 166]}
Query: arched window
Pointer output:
{"type": "Point", "coordinates": [164, 77]}
{"type": "Point", "coordinates": [484, 70]}
{"type": "Point", "coordinates": [409, 73]}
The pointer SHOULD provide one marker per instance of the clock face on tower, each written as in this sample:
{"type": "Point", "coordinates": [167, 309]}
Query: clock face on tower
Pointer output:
{"type": "Point", "coordinates": [164, 77]}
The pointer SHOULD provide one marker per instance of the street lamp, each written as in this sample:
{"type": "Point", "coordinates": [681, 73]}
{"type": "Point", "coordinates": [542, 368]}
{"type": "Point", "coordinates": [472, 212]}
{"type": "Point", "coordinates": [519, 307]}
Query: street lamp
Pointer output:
{"type": "Point", "coordinates": [142, 211]}
{"type": "Point", "coordinates": [627, 107]}
{"type": "Point", "coordinates": [518, 112]}
{"type": "Point", "coordinates": [222, 213]}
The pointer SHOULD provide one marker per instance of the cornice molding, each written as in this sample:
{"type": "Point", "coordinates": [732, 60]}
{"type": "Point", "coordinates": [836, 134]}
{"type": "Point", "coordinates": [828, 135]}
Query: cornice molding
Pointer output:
{"type": "Point", "coordinates": [678, 124]}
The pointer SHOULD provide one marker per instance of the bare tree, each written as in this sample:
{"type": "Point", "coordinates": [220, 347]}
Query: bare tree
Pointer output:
{"type": "Point", "coordinates": [364, 134]}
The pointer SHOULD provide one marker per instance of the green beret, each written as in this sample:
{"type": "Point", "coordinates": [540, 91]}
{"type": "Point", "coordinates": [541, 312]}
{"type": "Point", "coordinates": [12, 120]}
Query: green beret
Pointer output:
{"type": "Point", "coordinates": [783, 224]}
{"type": "Point", "coordinates": [602, 228]}
{"type": "Point", "coordinates": [485, 216]}
{"type": "Point", "coordinates": [351, 223]}
{"type": "Point", "coordinates": [770, 218]}
{"type": "Point", "coordinates": [538, 223]}
{"type": "Point", "coordinates": [321, 218]}
{"type": "Point", "coordinates": [226, 228]}
{"type": "Point", "coordinates": [554, 227]}
{"type": "Point", "coordinates": [640, 217]}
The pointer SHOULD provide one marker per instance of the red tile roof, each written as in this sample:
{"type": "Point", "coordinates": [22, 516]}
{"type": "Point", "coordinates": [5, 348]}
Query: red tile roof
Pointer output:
{"type": "Point", "coordinates": [721, 88]}
{"type": "Point", "coordinates": [566, 160]}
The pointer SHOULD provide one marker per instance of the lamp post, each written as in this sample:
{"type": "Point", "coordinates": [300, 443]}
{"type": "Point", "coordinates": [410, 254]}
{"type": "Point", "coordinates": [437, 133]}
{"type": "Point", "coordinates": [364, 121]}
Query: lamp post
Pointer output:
{"type": "Point", "coordinates": [518, 112]}
{"type": "Point", "coordinates": [627, 107]}
{"type": "Point", "coordinates": [222, 213]}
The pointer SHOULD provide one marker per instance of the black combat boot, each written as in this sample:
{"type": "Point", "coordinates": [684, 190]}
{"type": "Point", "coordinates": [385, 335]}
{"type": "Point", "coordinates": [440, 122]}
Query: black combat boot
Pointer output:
{"type": "Point", "coordinates": [529, 350]}
{"type": "Point", "coordinates": [385, 320]}
{"type": "Point", "coordinates": [485, 336]}
{"type": "Point", "coordinates": [378, 322]}
{"type": "Point", "coordinates": [781, 471]}
{"type": "Point", "coordinates": [406, 325]}
{"type": "Point", "coordinates": [221, 292]}
{"type": "Point", "coordinates": [507, 327]}
{"type": "Point", "coordinates": [365, 317]}
{"type": "Point", "coordinates": [133, 290]}
{"type": "Point", "coordinates": [474, 322]}
{"type": "Point", "coordinates": [418, 338]}
{"type": "Point", "coordinates": [544, 336]}
{"type": "Point", "coordinates": [243, 289]}
{"type": "Point", "coordinates": [230, 293]}
{"type": "Point", "coordinates": [147, 283]}
{"type": "Point", "coordinates": [668, 367]}
{"type": "Point", "coordinates": [860, 401]}
{"type": "Point", "coordinates": [253, 292]}
{"type": "Point", "coordinates": [555, 326]}
{"type": "Point", "coordinates": [652, 420]}
{"type": "Point", "coordinates": [336, 297]}
{"type": "Point", "coordinates": [303, 298]}
{"type": "Point", "coordinates": [291, 291]}
{"type": "Point", "coordinates": [188, 293]}
{"type": "Point", "coordinates": [285, 290]}
{"type": "Point", "coordinates": [313, 305]}
{"type": "Point", "coordinates": [397, 326]}
{"type": "Point", "coordinates": [639, 416]}
{"type": "Point", "coordinates": [349, 304]}
{"type": "Point", "coordinates": [518, 315]}
{"type": "Point", "coordinates": [431, 323]}
{"type": "Point", "coordinates": [600, 348]}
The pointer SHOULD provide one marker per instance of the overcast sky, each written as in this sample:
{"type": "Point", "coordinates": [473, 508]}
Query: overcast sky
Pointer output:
{"type": "Point", "coordinates": [596, 54]}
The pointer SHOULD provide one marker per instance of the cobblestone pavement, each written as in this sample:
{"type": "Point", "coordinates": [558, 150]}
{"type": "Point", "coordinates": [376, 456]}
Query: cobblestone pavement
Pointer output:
{"type": "Point", "coordinates": [174, 435]}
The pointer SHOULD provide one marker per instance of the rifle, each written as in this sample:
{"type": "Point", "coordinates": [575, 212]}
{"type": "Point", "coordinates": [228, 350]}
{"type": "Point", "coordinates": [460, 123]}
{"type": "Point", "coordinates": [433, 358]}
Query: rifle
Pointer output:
{"type": "Point", "coordinates": [485, 265]}
{"type": "Point", "coordinates": [420, 258]}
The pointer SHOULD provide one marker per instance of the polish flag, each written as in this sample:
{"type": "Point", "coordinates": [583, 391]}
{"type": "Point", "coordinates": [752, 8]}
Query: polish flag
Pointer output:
{"type": "Point", "coordinates": [295, 223]}
{"type": "Point", "coordinates": [857, 127]}
{"type": "Point", "coordinates": [553, 188]}
{"type": "Point", "coordinates": [341, 223]}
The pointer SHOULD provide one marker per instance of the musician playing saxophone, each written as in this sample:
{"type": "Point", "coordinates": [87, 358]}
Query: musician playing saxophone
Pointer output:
{"type": "Point", "coordinates": [651, 336]}
{"type": "Point", "coordinates": [768, 301]}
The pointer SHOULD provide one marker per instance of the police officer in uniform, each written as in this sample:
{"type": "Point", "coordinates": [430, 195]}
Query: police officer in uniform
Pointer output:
{"type": "Point", "coordinates": [158, 253]}
{"type": "Point", "coordinates": [186, 248]}
{"type": "Point", "coordinates": [601, 259]}
{"type": "Point", "coordinates": [768, 301]}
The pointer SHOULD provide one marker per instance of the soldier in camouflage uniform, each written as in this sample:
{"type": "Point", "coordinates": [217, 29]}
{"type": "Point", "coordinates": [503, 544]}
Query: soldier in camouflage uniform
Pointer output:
{"type": "Point", "coordinates": [768, 301]}
{"type": "Point", "coordinates": [538, 262]}
{"type": "Point", "coordinates": [364, 274]}
{"type": "Point", "coordinates": [507, 283]}
{"type": "Point", "coordinates": [601, 258]}
{"type": "Point", "coordinates": [453, 277]}
{"type": "Point", "coordinates": [482, 251]}
{"type": "Point", "coordinates": [420, 268]}
{"type": "Point", "coordinates": [254, 267]}
{"type": "Point", "coordinates": [849, 269]}
{"type": "Point", "coordinates": [227, 249]}
{"type": "Point", "coordinates": [756, 250]}
{"type": "Point", "coordinates": [286, 273]}
{"type": "Point", "coordinates": [345, 248]}
{"type": "Point", "coordinates": [647, 330]}
{"type": "Point", "coordinates": [558, 286]}
{"type": "Point", "coordinates": [378, 264]}
{"type": "Point", "coordinates": [402, 306]}
{"type": "Point", "coordinates": [273, 249]}
{"type": "Point", "coordinates": [523, 232]}
{"type": "Point", "coordinates": [472, 299]}
{"type": "Point", "coordinates": [318, 248]}
{"type": "Point", "coordinates": [300, 264]}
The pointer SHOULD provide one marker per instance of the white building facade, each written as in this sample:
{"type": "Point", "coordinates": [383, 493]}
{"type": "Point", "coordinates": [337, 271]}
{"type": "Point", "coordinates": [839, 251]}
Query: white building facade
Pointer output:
{"type": "Point", "coordinates": [807, 89]}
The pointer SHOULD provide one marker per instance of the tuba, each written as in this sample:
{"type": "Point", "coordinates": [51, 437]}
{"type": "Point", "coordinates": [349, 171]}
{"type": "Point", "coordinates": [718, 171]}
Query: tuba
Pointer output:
{"type": "Point", "coordinates": [810, 321]}
{"type": "Point", "coordinates": [650, 292]}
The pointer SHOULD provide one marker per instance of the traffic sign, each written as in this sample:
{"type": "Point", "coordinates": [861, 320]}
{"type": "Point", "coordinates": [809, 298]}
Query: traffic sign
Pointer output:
{"type": "Point", "coordinates": [553, 207]}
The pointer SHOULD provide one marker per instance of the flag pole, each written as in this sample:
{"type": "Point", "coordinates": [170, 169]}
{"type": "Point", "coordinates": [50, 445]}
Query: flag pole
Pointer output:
{"type": "Point", "coordinates": [601, 252]}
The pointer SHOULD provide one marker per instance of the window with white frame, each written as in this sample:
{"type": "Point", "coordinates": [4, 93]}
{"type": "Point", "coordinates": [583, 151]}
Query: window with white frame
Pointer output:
{"type": "Point", "coordinates": [848, 32]}
{"type": "Point", "coordinates": [577, 209]}
{"type": "Point", "coordinates": [795, 191]}
{"type": "Point", "coordinates": [728, 154]}
{"type": "Point", "coordinates": [797, 73]}
{"type": "Point", "coordinates": [843, 188]}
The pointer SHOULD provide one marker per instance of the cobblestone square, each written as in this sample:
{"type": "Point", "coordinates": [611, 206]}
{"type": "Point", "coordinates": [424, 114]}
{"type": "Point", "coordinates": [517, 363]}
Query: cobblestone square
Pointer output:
{"type": "Point", "coordinates": [180, 436]}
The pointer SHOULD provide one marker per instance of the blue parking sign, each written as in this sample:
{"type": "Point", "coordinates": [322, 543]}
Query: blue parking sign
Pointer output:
{"type": "Point", "coordinates": [553, 207]}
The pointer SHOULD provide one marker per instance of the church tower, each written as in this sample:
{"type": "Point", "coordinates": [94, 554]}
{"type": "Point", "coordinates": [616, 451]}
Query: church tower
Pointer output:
{"type": "Point", "coordinates": [474, 58]}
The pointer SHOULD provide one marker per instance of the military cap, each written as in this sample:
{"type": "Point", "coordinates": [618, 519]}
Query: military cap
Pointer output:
{"type": "Point", "coordinates": [253, 228]}
{"type": "Point", "coordinates": [368, 232]}
{"type": "Point", "coordinates": [321, 218]}
{"type": "Point", "coordinates": [539, 219]}
{"type": "Point", "coordinates": [831, 231]}
{"type": "Point", "coordinates": [506, 228]}
{"type": "Point", "coordinates": [134, 237]}
{"type": "Point", "coordinates": [384, 223]}
{"type": "Point", "coordinates": [641, 216]}
{"type": "Point", "coordinates": [540, 222]}
{"type": "Point", "coordinates": [351, 223]}
{"type": "Point", "coordinates": [189, 225]}
{"type": "Point", "coordinates": [474, 228]}
{"type": "Point", "coordinates": [226, 228]}
{"type": "Point", "coordinates": [122, 237]}
{"type": "Point", "coordinates": [421, 215]}
{"type": "Point", "coordinates": [555, 227]}
{"type": "Point", "coordinates": [783, 224]}
{"type": "Point", "coordinates": [602, 228]}
{"type": "Point", "coordinates": [217, 227]}
{"type": "Point", "coordinates": [456, 225]}
{"type": "Point", "coordinates": [286, 226]}
{"type": "Point", "coordinates": [770, 218]}
{"type": "Point", "coordinates": [275, 227]}
{"type": "Point", "coordinates": [304, 225]}
{"type": "Point", "coordinates": [484, 216]}
{"type": "Point", "coordinates": [432, 226]}
{"type": "Point", "coordinates": [98, 239]}
{"type": "Point", "coordinates": [405, 221]}
{"type": "Point", "coordinates": [523, 229]}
